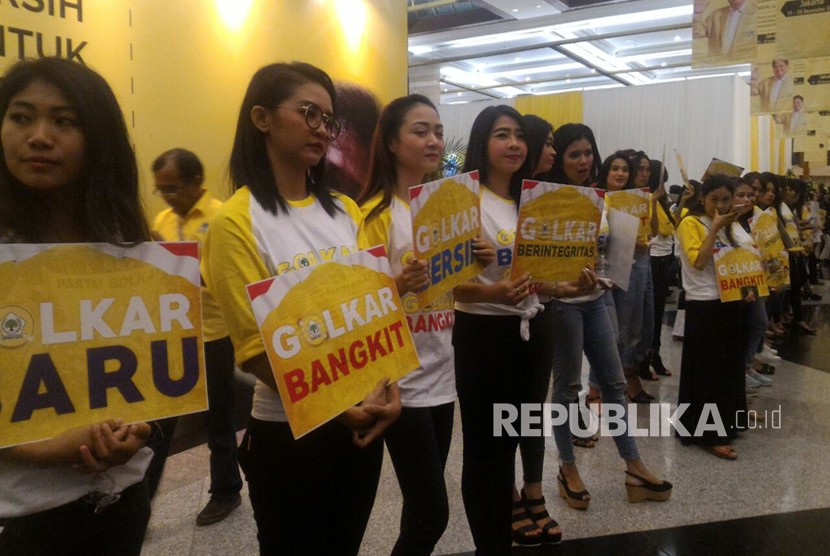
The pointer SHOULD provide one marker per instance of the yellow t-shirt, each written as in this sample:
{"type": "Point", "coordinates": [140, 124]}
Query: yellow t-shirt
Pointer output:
{"type": "Point", "coordinates": [193, 227]}
{"type": "Point", "coordinates": [246, 244]}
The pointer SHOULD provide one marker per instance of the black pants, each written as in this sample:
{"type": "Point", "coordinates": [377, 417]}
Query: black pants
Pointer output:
{"type": "Point", "coordinates": [418, 444]}
{"type": "Point", "coordinates": [493, 365]}
{"type": "Point", "coordinates": [312, 495]}
{"type": "Point", "coordinates": [75, 529]}
{"type": "Point", "coordinates": [225, 480]}
{"type": "Point", "coordinates": [798, 276]}
{"type": "Point", "coordinates": [660, 278]}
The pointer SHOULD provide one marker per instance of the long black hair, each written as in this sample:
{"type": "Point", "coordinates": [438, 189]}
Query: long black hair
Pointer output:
{"type": "Point", "coordinates": [383, 173]}
{"type": "Point", "coordinates": [537, 131]}
{"type": "Point", "coordinates": [562, 138]}
{"type": "Point", "coordinates": [711, 183]}
{"type": "Point", "coordinates": [605, 169]}
{"type": "Point", "coordinates": [109, 201]}
{"type": "Point", "coordinates": [476, 158]}
{"type": "Point", "coordinates": [249, 164]}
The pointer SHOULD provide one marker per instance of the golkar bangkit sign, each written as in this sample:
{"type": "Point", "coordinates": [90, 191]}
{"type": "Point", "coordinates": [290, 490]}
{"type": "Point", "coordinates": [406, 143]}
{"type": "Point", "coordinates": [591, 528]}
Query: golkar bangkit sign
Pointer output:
{"type": "Point", "coordinates": [740, 272]}
{"type": "Point", "coordinates": [557, 231]}
{"type": "Point", "coordinates": [331, 332]}
{"type": "Point", "coordinates": [445, 221]}
{"type": "Point", "coordinates": [95, 331]}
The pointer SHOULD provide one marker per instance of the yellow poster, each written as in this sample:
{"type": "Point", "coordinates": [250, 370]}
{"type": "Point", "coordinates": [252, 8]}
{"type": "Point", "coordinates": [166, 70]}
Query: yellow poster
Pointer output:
{"type": "Point", "coordinates": [556, 235]}
{"type": "Point", "coordinates": [635, 202]}
{"type": "Point", "coordinates": [802, 28]}
{"type": "Point", "coordinates": [776, 262]}
{"type": "Point", "coordinates": [739, 273]}
{"type": "Point", "coordinates": [717, 166]}
{"type": "Point", "coordinates": [90, 332]}
{"type": "Point", "coordinates": [723, 32]}
{"type": "Point", "coordinates": [445, 220]}
{"type": "Point", "coordinates": [332, 331]}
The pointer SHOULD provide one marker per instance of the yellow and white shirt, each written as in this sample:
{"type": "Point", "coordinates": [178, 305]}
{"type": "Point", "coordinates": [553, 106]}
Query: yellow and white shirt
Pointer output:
{"type": "Point", "coordinates": [700, 285]}
{"type": "Point", "coordinates": [433, 383]}
{"type": "Point", "coordinates": [246, 244]}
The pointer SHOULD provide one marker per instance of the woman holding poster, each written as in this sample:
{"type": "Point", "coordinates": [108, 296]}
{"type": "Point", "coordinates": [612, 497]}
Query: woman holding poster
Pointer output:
{"type": "Point", "coordinates": [711, 326]}
{"type": "Point", "coordinates": [502, 350]}
{"type": "Point", "coordinates": [407, 147]}
{"type": "Point", "coordinates": [584, 324]}
{"type": "Point", "coordinates": [312, 495]}
{"type": "Point", "coordinates": [68, 175]}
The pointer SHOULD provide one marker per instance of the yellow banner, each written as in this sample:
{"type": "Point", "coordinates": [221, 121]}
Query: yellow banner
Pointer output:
{"type": "Point", "coordinates": [722, 36]}
{"type": "Point", "coordinates": [776, 262]}
{"type": "Point", "coordinates": [740, 273]}
{"type": "Point", "coordinates": [636, 203]}
{"type": "Point", "coordinates": [90, 332]}
{"type": "Point", "coordinates": [332, 332]}
{"type": "Point", "coordinates": [556, 235]}
{"type": "Point", "coordinates": [445, 220]}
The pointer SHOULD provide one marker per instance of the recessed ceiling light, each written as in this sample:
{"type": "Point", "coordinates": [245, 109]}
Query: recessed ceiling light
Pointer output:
{"type": "Point", "coordinates": [663, 65]}
{"type": "Point", "coordinates": [527, 79]}
{"type": "Point", "coordinates": [538, 5]}
{"type": "Point", "coordinates": [677, 38]}
{"type": "Point", "coordinates": [514, 10]}
{"type": "Point", "coordinates": [459, 93]}
{"type": "Point", "coordinates": [517, 59]}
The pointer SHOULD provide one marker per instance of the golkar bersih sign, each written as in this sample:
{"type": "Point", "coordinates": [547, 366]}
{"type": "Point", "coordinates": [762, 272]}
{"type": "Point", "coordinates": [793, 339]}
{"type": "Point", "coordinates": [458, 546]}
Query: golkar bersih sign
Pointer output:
{"type": "Point", "coordinates": [90, 332]}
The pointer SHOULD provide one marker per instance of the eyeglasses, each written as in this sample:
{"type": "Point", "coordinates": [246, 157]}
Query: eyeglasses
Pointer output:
{"type": "Point", "coordinates": [314, 116]}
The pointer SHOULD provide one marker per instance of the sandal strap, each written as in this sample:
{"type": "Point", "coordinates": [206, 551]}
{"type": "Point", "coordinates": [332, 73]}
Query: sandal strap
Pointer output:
{"type": "Point", "coordinates": [539, 516]}
{"type": "Point", "coordinates": [552, 524]}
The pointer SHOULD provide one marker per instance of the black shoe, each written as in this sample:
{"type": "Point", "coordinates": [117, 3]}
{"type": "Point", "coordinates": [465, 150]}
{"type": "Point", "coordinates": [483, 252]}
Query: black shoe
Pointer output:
{"type": "Point", "coordinates": [217, 510]}
{"type": "Point", "coordinates": [656, 363]}
{"type": "Point", "coordinates": [645, 372]}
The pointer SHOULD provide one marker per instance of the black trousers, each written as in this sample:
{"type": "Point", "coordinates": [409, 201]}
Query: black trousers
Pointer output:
{"type": "Point", "coordinates": [418, 444]}
{"type": "Point", "coordinates": [312, 495]}
{"type": "Point", "coordinates": [660, 278]}
{"type": "Point", "coordinates": [75, 529]}
{"type": "Point", "coordinates": [493, 365]}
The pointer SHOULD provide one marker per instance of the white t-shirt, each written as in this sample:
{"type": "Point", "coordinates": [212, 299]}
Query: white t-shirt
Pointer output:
{"type": "Point", "coordinates": [433, 383]}
{"type": "Point", "coordinates": [499, 217]}
{"type": "Point", "coordinates": [245, 244]}
{"type": "Point", "coordinates": [700, 285]}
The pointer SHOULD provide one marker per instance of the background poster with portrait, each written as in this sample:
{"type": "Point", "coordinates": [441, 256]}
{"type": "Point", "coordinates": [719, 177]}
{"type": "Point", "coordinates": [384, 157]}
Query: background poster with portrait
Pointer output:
{"type": "Point", "coordinates": [557, 231]}
{"type": "Point", "coordinates": [446, 218]}
{"type": "Point", "coordinates": [332, 331]}
{"type": "Point", "coordinates": [91, 332]}
{"type": "Point", "coordinates": [180, 69]}
{"type": "Point", "coordinates": [723, 32]}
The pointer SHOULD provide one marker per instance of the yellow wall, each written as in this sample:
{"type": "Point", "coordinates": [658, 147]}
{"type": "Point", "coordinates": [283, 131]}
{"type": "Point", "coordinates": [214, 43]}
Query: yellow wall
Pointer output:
{"type": "Point", "coordinates": [180, 67]}
{"type": "Point", "coordinates": [558, 109]}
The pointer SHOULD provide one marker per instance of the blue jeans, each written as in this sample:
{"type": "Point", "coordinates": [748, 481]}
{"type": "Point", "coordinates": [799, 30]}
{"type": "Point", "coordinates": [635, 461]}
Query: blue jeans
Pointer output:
{"type": "Point", "coordinates": [756, 325]}
{"type": "Point", "coordinates": [586, 327]}
{"type": "Point", "coordinates": [635, 312]}
{"type": "Point", "coordinates": [608, 298]}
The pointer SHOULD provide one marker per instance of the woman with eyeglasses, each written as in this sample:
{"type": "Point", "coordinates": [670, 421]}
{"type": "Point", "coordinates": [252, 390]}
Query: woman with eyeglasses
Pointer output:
{"type": "Point", "coordinates": [312, 495]}
{"type": "Point", "coordinates": [584, 325]}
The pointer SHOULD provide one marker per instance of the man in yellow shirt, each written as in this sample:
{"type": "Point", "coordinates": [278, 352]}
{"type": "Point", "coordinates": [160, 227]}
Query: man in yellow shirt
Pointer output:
{"type": "Point", "coordinates": [179, 176]}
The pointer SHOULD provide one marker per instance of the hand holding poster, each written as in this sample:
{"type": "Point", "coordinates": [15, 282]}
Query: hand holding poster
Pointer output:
{"type": "Point", "coordinates": [90, 332]}
{"type": "Point", "coordinates": [739, 273]}
{"type": "Point", "coordinates": [557, 231]}
{"type": "Point", "coordinates": [776, 262]}
{"type": "Point", "coordinates": [445, 220]}
{"type": "Point", "coordinates": [331, 332]}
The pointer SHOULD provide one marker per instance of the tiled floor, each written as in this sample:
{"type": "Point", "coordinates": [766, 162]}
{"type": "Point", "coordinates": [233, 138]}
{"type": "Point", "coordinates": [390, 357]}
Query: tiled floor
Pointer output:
{"type": "Point", "coordinates": [772, 500]}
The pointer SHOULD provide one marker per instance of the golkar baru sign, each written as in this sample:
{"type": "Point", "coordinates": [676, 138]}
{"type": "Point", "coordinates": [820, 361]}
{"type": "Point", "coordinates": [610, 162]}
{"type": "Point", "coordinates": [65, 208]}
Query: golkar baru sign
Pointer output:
{"type": "Point", "coordinates": [332, 332]}
{"type": "Point", "coordinates": [557, 232]}
{"type": "Point", "coordinates": [95, 331]}
{"type": "Point", "coordinates": [445, 221]}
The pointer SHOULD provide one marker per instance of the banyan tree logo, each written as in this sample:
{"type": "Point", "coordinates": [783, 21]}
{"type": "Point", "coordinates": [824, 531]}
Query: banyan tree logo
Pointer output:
{"type": "Point", "coordinates": [16, 326]}
{"type": "Point", "coordinates": [313, 331]}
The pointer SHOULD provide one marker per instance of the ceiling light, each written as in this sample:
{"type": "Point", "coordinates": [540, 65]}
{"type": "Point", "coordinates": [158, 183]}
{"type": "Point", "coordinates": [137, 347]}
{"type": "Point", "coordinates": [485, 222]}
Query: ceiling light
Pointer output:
{"type": "Point", "coordinates": [514, 10]}
{"type": "Point", "coordinates": [677, 38]}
